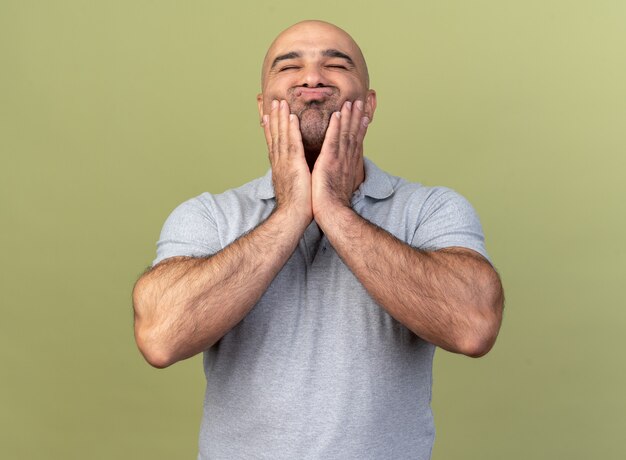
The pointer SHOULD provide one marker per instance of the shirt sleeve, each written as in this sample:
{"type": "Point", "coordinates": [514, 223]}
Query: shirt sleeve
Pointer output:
{"type": "Point", "coordinates": [448, 219]}
{"type": "Point", "coordinates": [190, 230]}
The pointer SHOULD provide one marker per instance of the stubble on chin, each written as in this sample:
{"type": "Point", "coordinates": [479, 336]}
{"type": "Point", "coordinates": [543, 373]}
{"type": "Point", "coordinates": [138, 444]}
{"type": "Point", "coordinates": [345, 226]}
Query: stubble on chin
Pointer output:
{"type": "Point", "coordinates": [314, 121]}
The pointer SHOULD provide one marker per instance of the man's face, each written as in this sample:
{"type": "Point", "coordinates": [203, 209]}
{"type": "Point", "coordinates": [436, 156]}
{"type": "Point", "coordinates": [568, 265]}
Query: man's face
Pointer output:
{"type": "Point", "coordinates": [315, 67]}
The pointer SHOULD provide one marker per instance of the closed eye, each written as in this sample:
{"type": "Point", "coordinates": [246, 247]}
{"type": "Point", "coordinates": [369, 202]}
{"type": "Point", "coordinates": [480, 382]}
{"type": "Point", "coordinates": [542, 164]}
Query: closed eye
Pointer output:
{"type": "Point", "coordinates": [337, 66]}
{"type": "Point", "coordinates": [288, 68]}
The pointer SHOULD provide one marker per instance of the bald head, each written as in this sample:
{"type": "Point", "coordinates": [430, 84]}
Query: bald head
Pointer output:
{"type": "Point", "coordinates": [311, 32]}
{"type": "Point", "coordinates": [315, 67]}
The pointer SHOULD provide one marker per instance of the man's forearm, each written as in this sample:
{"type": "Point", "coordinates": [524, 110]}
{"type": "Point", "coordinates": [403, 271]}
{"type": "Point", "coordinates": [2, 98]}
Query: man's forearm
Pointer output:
{"type": "Point", "coordinates": [451, 298]}
{"type": "Point", "coordinates": [185, 305]}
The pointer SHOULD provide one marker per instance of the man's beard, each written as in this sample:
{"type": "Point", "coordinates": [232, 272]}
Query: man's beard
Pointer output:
{"type": "Point", "coordinates": [314, 119]}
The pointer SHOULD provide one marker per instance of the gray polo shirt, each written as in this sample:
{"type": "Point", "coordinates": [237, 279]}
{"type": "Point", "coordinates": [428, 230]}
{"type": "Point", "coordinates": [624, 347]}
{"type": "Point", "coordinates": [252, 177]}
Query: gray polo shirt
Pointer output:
{"type": "Point", "coordinates": [317, 369]}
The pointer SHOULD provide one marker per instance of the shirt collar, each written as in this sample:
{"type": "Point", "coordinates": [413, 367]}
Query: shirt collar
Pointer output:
{"type": "Point", "coordinates": [377, 183]}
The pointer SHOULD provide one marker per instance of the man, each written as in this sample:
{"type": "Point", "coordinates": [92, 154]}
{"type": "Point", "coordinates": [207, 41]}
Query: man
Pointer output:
{"type": "Point", "coordinates": [318, 292]}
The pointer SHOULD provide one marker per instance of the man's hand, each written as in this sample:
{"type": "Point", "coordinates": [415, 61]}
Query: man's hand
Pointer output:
{"type": "Point", "coordinates": [290, 171]}
{"type": "Point", "coordinates": [339, 170]}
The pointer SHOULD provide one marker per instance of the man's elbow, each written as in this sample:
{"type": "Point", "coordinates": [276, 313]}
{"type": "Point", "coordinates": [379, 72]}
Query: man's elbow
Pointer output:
{"type": "Point", "coordinates": [478, 345]}
{"type": "Point", "coordinates": [148, 342]}
{"type": "Point", "coordinates": [153, 352]}
{"type": "Point", "coordinates": [485, 326]}
{"type": "Point", "coordinates": [158, 360]}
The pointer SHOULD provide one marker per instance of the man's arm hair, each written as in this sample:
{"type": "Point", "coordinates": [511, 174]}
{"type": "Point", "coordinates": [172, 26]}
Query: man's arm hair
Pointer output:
{"type": "Point", "coordinates": [451, 297]}
{"type": "Point", "coordinates": [184, 305]}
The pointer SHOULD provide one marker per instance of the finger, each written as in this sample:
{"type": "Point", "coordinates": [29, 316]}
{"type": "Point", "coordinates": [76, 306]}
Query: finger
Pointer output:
{"type": "Point", "coordinates": [283, 127]}
{"type": "Point", "coordinates": [355, 121]}
{"type": "Point", "coordinates": [295, 136]}
{"type": "Point", "coordinates": [365, 121]}
{"type": "Point", "coordinates": [347, 138]}
{"type": "Point", "coordinates": [266, 130]}
{"type": "Point", "coordinates": [274, 125]}
{"type": "Point", "coordinates": [346, 114]}
{"type": "Point", "coordinates": [331, 140]}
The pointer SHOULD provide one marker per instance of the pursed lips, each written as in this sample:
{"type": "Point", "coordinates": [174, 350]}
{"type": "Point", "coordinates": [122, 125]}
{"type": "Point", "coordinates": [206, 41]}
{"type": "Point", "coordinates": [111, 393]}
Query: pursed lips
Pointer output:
{"type": "Point", "coordinates": [313, 94]}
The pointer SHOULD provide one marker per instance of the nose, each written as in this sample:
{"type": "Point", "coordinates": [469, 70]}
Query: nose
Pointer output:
{"type": "Point", "coordinates": [313, 77]}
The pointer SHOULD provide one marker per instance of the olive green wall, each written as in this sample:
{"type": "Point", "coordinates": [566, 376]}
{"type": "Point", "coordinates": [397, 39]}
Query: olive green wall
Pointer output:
{"type": "Point", "coordinates": [113, 112]}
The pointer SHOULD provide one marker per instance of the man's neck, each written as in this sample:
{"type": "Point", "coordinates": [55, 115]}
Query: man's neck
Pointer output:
{"type": "Point", "coordinates": [311, 158]}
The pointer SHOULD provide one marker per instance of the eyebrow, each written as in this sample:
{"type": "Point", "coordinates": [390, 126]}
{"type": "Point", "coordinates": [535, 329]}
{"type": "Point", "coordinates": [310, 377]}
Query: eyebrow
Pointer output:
{"type": "Point", "coordinates": [283, 57]}
{"type": "Point", "coordinates": [337, 54]}
{"type": "Point", "coordinates": [327, 53]}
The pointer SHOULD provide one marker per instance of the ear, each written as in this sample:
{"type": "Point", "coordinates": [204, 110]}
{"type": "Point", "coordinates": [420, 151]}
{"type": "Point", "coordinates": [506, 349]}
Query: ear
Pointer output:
{"type": "Point", "coordinates": [259, 101]}
{"type": "Point", "coordinates": [370, 104]}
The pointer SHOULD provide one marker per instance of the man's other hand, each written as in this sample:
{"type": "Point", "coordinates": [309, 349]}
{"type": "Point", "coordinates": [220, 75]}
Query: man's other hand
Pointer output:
{"type": "Point", "coordinates": [339, 169]}
{"type": "Point", "coordinates": [290, 172]}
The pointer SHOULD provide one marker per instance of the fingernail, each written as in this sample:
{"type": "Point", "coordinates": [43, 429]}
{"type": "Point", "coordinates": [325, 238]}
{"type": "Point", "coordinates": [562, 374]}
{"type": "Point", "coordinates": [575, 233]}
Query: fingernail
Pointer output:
{"type": "Point", "coordinates": [283, 103]}
{"type": "Point", "coordinates": [359, 105]}
{"type": "Point", "coordinates": [292, 117]}
{"type": "Point", "coordinates": [266, 119]}
{"type": "Point", "coordinates": [338, 114]}
{"type": "Point", "coordinates": [349, 105]}
{"type": "Point", "coordinates": [365, 121]}
{"type": "Point", "coordinates": [274, 104]}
